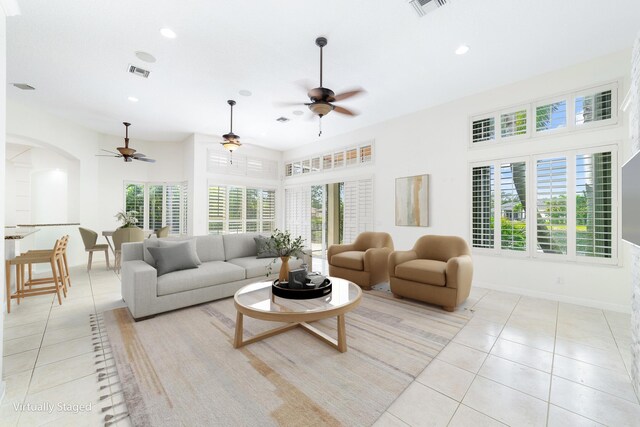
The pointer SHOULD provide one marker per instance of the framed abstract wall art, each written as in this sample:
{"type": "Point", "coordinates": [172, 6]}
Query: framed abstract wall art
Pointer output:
{"type": "Point", "coordinates": [412, 201]}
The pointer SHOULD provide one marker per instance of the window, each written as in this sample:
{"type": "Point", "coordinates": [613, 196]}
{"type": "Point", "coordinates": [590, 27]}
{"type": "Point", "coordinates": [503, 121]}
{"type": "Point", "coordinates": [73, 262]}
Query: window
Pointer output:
{"type": "Point", "coordinates": [352, 156]}
{"type": "Point", "coordinates": [134, 201]}
{"type": "Point", "coordinates": [559, 205]}
{"type": "Point", "coordinates": [288, 169]}
{"type": "Point", "coordinates": [315, 164]}
{"type": "Point", "coordinates": [306, 166]}
{"type": "Point", "coordinates": [219, 162]}
{"type": "Point", "coordinates": [338, 160]}
{"type": "Point", "coordinates": [594, 107]}
{"type": "Point", "coordinates": [366, 154]}
{"type": "Point", "coordinates": [513, 199]}
{"type": "Point", "coordinates": [297, 168]}
{"type": "Point", "coordinates": [594, 220]}
{"type": "Point", "coordinates": [483, 130]}
{"type": "Point", "coordinates": [327, 161]}
{"type": "Point", "coordinates": [234, 209]}
{"type": "Point", "coordinates": [513, 124]}
{"type": "Point", "coordinates": [482, 206]}
{"type": "Point", "coordinates": [551, 116]}
{"type": "Point", "coordinates": [158, 205]}
{"type": "Point", "coordinates": [551, 205]}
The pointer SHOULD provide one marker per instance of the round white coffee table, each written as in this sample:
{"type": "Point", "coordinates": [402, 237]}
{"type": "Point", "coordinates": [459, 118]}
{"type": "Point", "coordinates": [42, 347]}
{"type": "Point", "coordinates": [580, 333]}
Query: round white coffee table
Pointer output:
{"type": "Point", "coordinates": [257, 301]}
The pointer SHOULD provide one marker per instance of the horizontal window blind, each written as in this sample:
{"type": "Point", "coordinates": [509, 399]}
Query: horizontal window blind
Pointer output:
{"type": "Point", "coordinates": [298, 212]}
{"type": "Point", "coordinates": [234, 209]}
{"type": "Point", "coordinates": [594, 222]}
{"type": "Point", "coordinates": [158, 205]}
{"type": "Point", "coordinates": [156, 208]}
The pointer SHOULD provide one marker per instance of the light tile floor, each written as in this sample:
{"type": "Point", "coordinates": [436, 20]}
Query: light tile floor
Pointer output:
{"type": "Point", "coordinates": [518, 361]}
{"type": "Point", "coordinates": [526, 361]}
{"type": "Point", "coordinates": [50, 360]}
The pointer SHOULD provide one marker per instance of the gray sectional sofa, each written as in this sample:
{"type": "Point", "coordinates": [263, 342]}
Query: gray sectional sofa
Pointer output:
{"type": "Point", "coordinates": [228, 263]}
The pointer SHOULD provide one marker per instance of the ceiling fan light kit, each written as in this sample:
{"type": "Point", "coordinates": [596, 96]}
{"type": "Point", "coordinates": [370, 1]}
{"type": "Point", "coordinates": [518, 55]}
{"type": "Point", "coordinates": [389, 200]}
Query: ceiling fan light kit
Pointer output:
{"type": "Point", "coordinates": [231, 140]}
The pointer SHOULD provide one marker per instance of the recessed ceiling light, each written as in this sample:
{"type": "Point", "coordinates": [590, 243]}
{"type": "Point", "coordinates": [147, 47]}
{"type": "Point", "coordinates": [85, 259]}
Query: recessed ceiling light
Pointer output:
{"type": "Point", "coordinates": [462, 49]}
{"type": "Point", "coordinates": [298, 112]}
{"type": "Point", "coordinates": [168, 33]}
{"type": "Point", "coordinates": [245, 92]}
{"type": "Point", "coordinates": [132, 99]}
{"type": "Point", "coordinates": [145, 56]}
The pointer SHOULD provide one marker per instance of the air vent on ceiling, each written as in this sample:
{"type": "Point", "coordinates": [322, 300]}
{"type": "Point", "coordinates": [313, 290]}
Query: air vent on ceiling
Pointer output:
{"type": "Point", "coordinates": [139, 71]}
{"type": "Point", "coordinates": [422, 7]}
{"type": "Point", "coordinates": [282, 119]}
{"type": "Point", "coordinates": [24, 86]}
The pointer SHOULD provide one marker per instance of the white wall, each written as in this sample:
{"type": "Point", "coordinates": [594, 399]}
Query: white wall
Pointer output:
{"type": "Point", "coordinates": [435, 142]}
{"type": "Point", "coordinates": [3, 96]}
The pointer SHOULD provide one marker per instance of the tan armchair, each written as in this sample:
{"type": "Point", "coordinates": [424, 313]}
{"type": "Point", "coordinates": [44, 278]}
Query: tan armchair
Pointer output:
{"type": "Point", "coordinates": [438, 270]}
{"type": "Point", "coordinates": [364, 262]}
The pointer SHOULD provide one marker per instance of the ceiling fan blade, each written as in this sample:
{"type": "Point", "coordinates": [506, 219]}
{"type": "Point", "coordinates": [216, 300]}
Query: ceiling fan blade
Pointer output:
{"type": "Point", "coordinates": [107, 155]}
{"type": "Point", "coordinates": [108, 151]}
{"type": "Point", "coordinates": [136, 155]}
{"type": "Point", "coordinates": [144, 159]}
{"type": "Point", "coordinates": [287, 104]}
{"type": "Point", "coordinates": [343, 110]}
{"type": "Point", "coordinates": [349, 94]}
{"type": "Point", "coordinates": [305, 85]}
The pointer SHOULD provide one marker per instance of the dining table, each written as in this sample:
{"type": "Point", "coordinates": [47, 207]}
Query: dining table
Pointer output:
{"type": "Point", "coordinates": [108, 235]}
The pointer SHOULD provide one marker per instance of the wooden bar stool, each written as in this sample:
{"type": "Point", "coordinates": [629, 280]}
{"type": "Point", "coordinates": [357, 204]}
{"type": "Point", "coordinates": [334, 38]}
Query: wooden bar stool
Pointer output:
{"type": "Point", "coordinates": [62, 261]}
{"type": "Point", "coordinates": [34, 286]}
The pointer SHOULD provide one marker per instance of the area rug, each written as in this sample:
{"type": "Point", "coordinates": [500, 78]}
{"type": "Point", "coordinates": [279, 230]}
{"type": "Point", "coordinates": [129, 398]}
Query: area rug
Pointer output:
{"type": "Point", "coordinates": [180, 368]}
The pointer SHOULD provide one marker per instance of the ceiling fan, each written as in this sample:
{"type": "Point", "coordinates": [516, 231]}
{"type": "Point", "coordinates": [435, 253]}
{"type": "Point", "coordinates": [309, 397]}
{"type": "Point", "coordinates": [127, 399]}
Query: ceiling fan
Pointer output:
{"type": "Point", "coordinates": [129, 154]}
{"type": "Point", "coordinates": [322, 98]}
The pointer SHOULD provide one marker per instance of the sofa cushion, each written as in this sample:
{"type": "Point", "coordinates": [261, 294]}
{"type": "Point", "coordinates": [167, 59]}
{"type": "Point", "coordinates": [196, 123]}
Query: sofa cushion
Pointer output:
{"type": "Point", "coordinates": [239, 245]}
{"type": "Point", "coordinates": [173, 258]}
{"type": "Point", "coordinates": [165, 243]}
{"type": "Point", "coordinates": [258, 267]}
{"type": "Point", "coordinates": [353, 260]}
{"type": "Point", "coordinates": [423, 271]}
{"type": "Point", "coordinates": [265, 247]}
{"type": "Point", "coordinates": [208, 274]}
{"type": "Point", "coordinates": [151, 242]}
{"type": "Point", "coordinates": [210, 248]}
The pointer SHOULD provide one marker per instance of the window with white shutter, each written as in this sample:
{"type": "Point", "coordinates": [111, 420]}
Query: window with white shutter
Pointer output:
{"type": "Point", "coordinates": [482, 207]}
{"type": "Point", "coordinates": [158, 205]}
{"type": "Point", "coordinates": [551, 205]}
{"type": "Point", "coordinates": [156, 208]}
{"type": "Point", "coordinates": [338, 159]}
{"type": "Point", "coordinates": [352, 156]}
{"type": "Point", "coordinates": [315, 164]}
{"type": "Point", "coordinates": [366, 153]}
{"type": "Point", "coordinates": [513, 200]}
{"type": "Point", "coordinates": [594, 107]}
{"type": "Point", "coordinates": [234, 209]}
{"type": "Point", "coordinates": [551, 116]}
{"type": "Point", "coordinates": [268, 210]}
{"type": "Point", "coordinates": [483, 130]}
{"type": "Point", "coordinates": [513, 123]}
{"type": "Point", "coordinates": [217, 209]}
{"type": "Point", "coordinates": [175, 205]}
{"type": "Point", "coordinates": [134, 201]}
{"type": "Point", "coordinates": [288, 169]}
{"type": "Point", "coordinates": [594, 205]}
{"type": "Point", "coordinates": [327, 162]}
{"type": "Point", "coordinates": [252, 208]}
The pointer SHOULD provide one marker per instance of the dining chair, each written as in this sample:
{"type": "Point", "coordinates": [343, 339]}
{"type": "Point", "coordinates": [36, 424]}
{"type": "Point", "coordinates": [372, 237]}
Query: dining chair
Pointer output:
{"type": "Point", "coordinates": [163, 232]}
{"type": "Point", "coordinates": [89, 238]}
{"type": "Point", "coordinates": [125, 235]}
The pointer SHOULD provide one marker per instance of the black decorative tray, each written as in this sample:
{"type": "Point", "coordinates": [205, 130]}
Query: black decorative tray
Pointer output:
{"type": "Point", "coordinates": [306, 292]}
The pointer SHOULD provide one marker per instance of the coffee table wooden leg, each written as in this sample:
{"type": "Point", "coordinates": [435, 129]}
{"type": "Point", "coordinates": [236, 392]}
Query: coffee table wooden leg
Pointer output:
{"type": "Point", "coordinates": [342, 334]}
{"type": "Point", "coordinates": [237, 341]}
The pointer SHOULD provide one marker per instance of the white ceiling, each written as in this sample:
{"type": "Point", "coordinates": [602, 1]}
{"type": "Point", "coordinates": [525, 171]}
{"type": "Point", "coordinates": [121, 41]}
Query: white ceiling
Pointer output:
{"type": "Point", "coordinates": [76, 54]}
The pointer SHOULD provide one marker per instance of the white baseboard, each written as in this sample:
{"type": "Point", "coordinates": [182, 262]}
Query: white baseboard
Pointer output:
{"type": "Point", "coordinates": [555, 297]}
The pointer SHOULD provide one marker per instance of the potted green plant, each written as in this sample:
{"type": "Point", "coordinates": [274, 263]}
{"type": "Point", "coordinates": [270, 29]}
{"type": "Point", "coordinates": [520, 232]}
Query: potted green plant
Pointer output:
{"type": "Point", "coordinates": [128, 219]}
{"type": "Point", "coordinates": [285, 246]}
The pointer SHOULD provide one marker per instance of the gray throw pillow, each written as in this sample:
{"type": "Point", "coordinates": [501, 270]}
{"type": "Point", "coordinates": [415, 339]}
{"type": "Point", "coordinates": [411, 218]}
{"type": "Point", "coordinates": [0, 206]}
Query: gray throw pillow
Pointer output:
{"type": "Point", "coordinates": [173, 258]}
{"type": "Point", "coordinates": [265, 247]}
{"type": "Point", "coordinates": [192, 247]}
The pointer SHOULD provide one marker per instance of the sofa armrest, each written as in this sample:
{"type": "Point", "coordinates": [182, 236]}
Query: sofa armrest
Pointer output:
{"type": "Point", "coordinates": [132, 251]}
{"type": "Point", "coordinates": [336, 249]}
{"type": "Point", "coordinates": [459, 273]}
{"type": "Point", "coordinates": [139, 287]}
{"type": "Point", "coordinates": [398, 257]}
{"type": "Point", "coordinates": [376, 263]}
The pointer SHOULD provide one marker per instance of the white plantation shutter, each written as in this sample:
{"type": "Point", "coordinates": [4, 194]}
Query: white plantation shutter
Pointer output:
{"type": "Point", "coordinates": [298, 212]}
{"type": "Point", "coordinates": [513, 123]}
{"type": "Point", "coordinates": [358, 209]}
{"type": "Point", "coordinates": [551, 205]}
{"type": "Point", "coordinates": [166, 204]}
{"type": "Point", "coordinates": [268, 211]}
{"type": "Point", "coordinates": [594, 107]}
{"type": "Point", "coordinates": [217, 209]}
{"type": "Point", "coordinates": [174, 208]}
{"type": "Point", "coordinates": [482, 210]}
{"type": "Point", "coordinates": [594, 216]}
{"type": "Point", "coordinates": [551, 116]}
{"type": "Point", "coordinates": [235, 203]}
{"type": "Point", "coordinates": [252, 209]}
{"type": "Point", "coordinates": [155, 211]}
{"type": "Point", "coordinates": [513, 199]}
{"type": "Point", "coordinates": [483, 130]}
{"type": "Point", "coordinates": [223, 163]}
{"type": "Point", "coordinates": [134, 201]}
{"type": "Point", "coordinates": [366, 153]}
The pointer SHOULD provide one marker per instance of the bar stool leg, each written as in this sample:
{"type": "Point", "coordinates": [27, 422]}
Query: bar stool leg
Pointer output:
{"type": "Point", "coordinates": [66, 267]}
{"type": "Point", "coordinates": [106, 255]}
{"type": "Point", "coordinates": [19, 281]}
{"type": "Point", "coordinates": [7, 269]}
{"type": "Point", "coordinates": [55, 281]}
{"type": "Point", "coordinates": [63, 276]}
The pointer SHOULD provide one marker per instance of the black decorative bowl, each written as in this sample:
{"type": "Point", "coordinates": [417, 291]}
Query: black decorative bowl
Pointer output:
{"type": "Point", "coordinates": [307, 291]}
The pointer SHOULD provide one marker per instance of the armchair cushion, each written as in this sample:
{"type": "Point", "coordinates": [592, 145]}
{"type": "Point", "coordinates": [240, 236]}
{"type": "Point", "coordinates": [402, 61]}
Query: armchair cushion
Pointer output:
{"type": "Point", "coordinates": [423, 271]}
{"type": "Point", "coordinates": [353, 260]}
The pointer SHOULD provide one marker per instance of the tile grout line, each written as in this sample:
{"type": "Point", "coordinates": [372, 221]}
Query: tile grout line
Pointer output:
{"type": "Point", "coordinates": [553, 359]}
